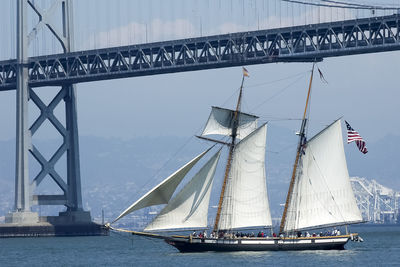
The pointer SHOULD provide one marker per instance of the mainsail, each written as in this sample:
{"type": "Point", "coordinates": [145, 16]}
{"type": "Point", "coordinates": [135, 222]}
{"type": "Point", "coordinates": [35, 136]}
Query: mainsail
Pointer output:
{"type": "Point", "coordinates": [221, 120]}
{"type": "Point", "coordinates": [322, 194]}
{"type": "Point", "coordinates": [189, 208]}
{"type": "Point", "coordinates": [245, 204]}
{"type": "Point", "coordinates": [163, 192]}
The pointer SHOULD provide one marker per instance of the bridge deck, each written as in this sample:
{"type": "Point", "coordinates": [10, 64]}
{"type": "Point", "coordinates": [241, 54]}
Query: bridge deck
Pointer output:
{"type": "Point", "coordinates": [291, 44]}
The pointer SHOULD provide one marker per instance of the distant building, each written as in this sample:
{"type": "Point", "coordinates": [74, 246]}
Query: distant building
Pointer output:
{"type": "Point", "coordinates": [378, 204]}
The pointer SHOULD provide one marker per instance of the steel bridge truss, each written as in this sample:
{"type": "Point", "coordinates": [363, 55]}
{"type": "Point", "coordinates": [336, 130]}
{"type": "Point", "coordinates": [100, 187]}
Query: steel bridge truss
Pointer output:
{"type": "Point", "coordinates": [71, 188]}
{"type": "Point", "coordinates": [294, 44]}
{"type": "Point", "coordinates": [71, 197]}
{"type": "Point", "coordinates": [70, 185]}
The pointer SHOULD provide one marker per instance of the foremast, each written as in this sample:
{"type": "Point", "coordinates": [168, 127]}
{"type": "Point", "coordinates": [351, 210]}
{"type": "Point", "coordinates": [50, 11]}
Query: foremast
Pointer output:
{"type": "Point", "coordinates": [302, 142]}
{"type": "Point", "coordinates": [230, 156]}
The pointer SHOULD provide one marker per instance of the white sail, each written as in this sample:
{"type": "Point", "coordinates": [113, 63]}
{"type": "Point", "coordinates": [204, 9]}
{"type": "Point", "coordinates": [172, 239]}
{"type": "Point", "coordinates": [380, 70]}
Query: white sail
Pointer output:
{"type": "Point", "coordinates": [245, 204]}
{"type": "Point", "coordinates": [220, 122]}
{"type": "Point", "coordinates": [162, 193]}
{"type": "Point", "coordinates": [322, 194]}
{"type": "Point", "coordinates": [189, 209]}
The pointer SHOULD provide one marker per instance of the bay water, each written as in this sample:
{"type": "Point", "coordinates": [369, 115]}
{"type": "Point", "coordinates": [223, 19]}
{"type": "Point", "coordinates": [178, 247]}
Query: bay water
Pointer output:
{"type": "Point", "coordinates": [381, 247]}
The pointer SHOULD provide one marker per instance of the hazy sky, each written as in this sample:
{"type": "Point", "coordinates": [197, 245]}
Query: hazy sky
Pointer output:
{"type": "Point", "coordinates": [363, 89]}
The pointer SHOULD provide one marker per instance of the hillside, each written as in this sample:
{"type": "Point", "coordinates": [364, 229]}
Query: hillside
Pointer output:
{"type": "Point", "coordinates": [117, 172]}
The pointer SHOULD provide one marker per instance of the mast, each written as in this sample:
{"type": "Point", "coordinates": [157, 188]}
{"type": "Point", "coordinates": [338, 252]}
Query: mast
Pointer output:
{"type": "Point", "coordinates": [230, 156]}
{"type": "Point", "coordinates": [302, 141]}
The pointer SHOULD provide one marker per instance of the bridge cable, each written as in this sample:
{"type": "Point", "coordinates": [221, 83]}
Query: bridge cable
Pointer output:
{"type": "Point", "coordinates": [358, 5]}
{"type": "Point", "coordinates": [344, 5]}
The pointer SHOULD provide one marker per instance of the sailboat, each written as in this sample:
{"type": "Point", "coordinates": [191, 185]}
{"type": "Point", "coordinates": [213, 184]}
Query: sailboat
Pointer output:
{"type": "Point", "coordinates": [319, 196]}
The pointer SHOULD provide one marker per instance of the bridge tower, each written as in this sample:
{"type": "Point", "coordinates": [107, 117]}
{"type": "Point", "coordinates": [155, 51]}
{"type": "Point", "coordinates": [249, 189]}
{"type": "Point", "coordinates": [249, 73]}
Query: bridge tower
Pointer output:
{"type": "Point", "coordinates": [70, 185]}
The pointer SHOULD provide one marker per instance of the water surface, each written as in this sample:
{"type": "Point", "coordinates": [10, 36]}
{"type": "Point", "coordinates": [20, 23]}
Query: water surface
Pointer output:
{"type": "Point", "coordinates": [381, 247]}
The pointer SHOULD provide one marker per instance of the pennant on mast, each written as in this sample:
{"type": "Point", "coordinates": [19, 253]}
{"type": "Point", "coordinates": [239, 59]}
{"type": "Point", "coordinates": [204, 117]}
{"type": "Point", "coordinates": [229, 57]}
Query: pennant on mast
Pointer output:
{"type": "Point", "coordinates": [245, 72]}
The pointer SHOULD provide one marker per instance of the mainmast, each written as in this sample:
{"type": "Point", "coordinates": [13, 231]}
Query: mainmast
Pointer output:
{"type": "Point", "coordinates": [230, 156]}
{"type": "Point", "coordinates": [302, 141]}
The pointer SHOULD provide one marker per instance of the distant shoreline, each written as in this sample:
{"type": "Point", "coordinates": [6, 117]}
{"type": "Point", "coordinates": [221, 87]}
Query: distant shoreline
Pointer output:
{"type": "Point", "coordinates": [375, 225]}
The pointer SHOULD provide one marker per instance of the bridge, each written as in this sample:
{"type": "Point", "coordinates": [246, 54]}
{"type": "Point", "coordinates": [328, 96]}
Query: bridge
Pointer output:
{"type": "Point", "coordinates": [308, 41]}
{"type": "Point", "coordinates": [292, 44]}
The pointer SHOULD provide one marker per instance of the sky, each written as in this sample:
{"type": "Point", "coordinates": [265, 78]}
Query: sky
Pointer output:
{"type": "Point", "coordinates": [362, 88]}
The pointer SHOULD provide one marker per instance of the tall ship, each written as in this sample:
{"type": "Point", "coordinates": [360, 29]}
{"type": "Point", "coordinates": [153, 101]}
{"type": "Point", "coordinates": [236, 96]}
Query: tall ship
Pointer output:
{"type": "Point", "coordinates": [319, 195]}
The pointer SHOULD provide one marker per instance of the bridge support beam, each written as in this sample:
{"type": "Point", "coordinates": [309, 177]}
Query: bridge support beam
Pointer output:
{"type": "Point", "coordinates": [22, 212]}
{"type": "Point", "coordinates": [70, 185]}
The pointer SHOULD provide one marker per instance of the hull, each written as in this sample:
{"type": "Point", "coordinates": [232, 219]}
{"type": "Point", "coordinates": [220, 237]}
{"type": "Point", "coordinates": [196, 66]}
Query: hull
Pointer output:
{"type": "Point", "coordinates": [185, 244]}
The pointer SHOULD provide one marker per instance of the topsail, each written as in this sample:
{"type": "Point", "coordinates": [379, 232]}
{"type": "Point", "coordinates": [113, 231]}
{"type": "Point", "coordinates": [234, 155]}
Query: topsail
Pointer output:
{"type": "Point", "coordinates": [221, 120]}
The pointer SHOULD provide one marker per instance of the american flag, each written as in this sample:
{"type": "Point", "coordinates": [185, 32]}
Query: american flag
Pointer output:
{"type": "Point", "coordinates": [353, 135]}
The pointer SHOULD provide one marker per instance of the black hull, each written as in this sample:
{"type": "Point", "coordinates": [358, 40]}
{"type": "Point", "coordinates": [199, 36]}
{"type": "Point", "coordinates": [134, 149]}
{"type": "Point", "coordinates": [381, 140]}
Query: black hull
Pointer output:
{"type": "Point", "coordinates": [258, 244]}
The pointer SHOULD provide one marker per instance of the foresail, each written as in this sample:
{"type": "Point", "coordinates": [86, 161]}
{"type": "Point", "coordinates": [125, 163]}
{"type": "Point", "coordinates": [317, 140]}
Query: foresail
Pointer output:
{"type": "Point", "coordinates": [245, 203]}
{"type": "Point", "coordinates": [163, 192]}
{"type": "Point", "coordinates": [220, 122]}
{"type": "Point", "coordinates": [189, 209]}
{"type": "Point", "coordinates": [322, 194]}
